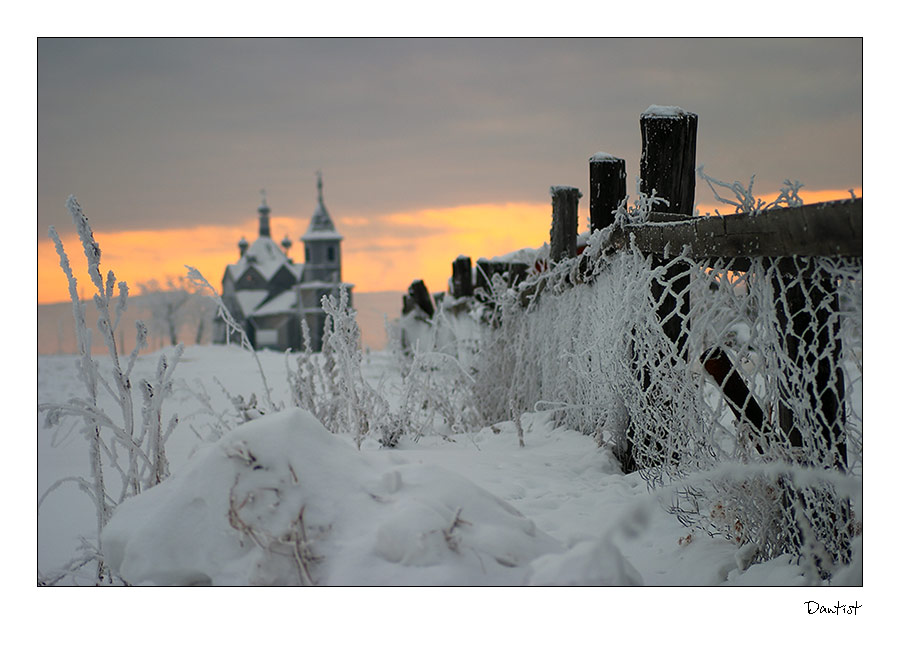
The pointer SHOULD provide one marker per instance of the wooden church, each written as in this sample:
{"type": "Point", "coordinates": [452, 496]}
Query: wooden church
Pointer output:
{"type": "Point", "coordinates": [268, 294]}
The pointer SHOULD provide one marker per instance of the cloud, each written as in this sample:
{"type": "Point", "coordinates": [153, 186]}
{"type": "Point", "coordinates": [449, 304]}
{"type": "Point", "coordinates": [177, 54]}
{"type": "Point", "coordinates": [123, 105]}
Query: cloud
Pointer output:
{"type": "Point", "coordinates": [159, 134]}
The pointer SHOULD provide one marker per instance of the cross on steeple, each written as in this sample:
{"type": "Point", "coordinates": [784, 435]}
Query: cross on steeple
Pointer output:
{"type": "Point", "coordinates": [319, 184]}
{"type": "Point", "coordinates": [263, 214]}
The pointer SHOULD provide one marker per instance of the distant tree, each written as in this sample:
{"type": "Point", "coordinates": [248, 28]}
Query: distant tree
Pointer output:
{"type": "Point", "coordinates": [199, 314]}
{"type": "Point", "coordinates": [174, 305]}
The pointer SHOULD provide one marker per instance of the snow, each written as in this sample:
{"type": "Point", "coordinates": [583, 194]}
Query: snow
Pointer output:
{"type": "Point", "coordinates": [563, 189]}
{"type": "Point", "coordinates": [265, 250]}
{"type": "Point", "coordinates": [371, 519]}
{"type": "Point", "coordinates": [321, 235]}
{"type": "Point", "coordinates": [603, 156]}
{"type": "Point", "coordinates": [249, 299]}
{"type": "Point", "coordinates": [664, 111]}
{"type": "Point", "coordinates": [282, 303]}
{"type": "Point", "coordinates": [266, 268]}
{"type": "Point", "coordinates": [451, 509]}
{"type": "Point", "coordinates": [523, 256]}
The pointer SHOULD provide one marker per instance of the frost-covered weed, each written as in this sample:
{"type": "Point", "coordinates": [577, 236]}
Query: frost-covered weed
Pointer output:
{"type": "Point", "coordinates": [640, 211]}
{"type": "Point", "coordinates": [233, 327]}
{"type": "Point", "coordinates": [123, 451]}
{"type": "Point", "coordinates": [330, 384]}
{"type": "Point", "coordinates": [745, 201]}
{"type": "Point", "coordinates": [358, 409]}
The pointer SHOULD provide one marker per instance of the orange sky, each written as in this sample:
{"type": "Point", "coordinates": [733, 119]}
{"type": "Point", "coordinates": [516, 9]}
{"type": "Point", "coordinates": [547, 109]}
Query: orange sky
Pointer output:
{"type": "Point", "coordinates": [380, 254]}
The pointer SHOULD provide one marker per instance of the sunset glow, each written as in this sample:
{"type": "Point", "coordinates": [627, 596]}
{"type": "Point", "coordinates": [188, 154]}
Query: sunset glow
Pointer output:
{"type": "Point", "coordinates": [383, 253]}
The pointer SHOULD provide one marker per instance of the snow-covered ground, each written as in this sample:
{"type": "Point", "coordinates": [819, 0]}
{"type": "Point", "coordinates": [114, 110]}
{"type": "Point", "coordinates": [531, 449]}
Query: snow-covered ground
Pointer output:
{"type": "Point", "coordinates": [467, 509]}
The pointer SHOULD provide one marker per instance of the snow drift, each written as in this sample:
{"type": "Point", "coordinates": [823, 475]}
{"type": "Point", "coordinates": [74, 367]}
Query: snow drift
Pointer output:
{"type": "Point", "coordinates": [281, 500]}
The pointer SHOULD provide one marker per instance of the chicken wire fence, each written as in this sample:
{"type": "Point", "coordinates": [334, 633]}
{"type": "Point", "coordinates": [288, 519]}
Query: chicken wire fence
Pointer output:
{"type": "Point", "coordinates": [736, 383]}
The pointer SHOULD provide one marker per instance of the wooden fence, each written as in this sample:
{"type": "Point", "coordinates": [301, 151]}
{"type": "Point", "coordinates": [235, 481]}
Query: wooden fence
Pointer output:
{"type": "Point", "coordinates": [667, 170]}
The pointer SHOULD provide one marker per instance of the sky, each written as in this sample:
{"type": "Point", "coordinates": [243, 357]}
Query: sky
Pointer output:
{"type": "Point", "coordinates": [429, 148]}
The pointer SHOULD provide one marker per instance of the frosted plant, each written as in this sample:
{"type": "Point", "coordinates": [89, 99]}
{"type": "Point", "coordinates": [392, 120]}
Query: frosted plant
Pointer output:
{"type": "Point", "coordinates": [437, 395]}
{"type": "Point", "coordinates": [360, 406]}
{"type": "Point", "coordinates": [119, 449]}
{"type": "Point", "coordinates": [745, 202]}
{"type": "Point", "coordinates": [232, 326]}
{"type": "Point", "coordinates": [306, 381]}
{"type": "Point", "coordinates": [330, 384]}
{"type": "Point", "coordinates": [640, 211]}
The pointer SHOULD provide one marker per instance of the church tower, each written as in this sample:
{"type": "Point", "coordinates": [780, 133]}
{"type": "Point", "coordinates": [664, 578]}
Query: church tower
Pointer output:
{"type": "Point", "coordinates": [321, 270]}
{"type": "Point", "coordinates": [322, 244]}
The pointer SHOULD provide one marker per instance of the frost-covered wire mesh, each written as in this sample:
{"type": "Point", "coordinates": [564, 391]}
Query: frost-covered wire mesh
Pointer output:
{"type": "Point", "coordinates": [738, 382]}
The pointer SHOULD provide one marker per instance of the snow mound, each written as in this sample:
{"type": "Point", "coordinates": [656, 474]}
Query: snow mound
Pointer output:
{"type": "Point", "coordinates": [664, 111]}
{"type": "Point", "coordinates": [592, 562]}
{"type": "Point", "coordinates": [282, 501]}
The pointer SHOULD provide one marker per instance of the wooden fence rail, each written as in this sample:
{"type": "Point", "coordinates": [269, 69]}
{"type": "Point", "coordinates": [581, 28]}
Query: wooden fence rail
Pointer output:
{"type": "Point", "coordinates": [813, 230]}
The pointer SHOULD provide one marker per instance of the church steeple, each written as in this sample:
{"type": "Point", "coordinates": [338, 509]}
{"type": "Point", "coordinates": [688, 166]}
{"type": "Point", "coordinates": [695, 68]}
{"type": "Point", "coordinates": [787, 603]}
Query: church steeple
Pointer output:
{"type": "Point", "coordinates": [322, 243]}
{"type": "Point", "coordinates": [264, 215]}
{"type": "Point", "coordinates": [321, 226]}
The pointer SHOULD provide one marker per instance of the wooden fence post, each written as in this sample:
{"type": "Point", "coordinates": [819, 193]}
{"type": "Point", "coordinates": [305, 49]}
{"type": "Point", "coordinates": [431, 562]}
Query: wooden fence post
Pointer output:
{"type": "Point", "coordinates": [564, 230]}
{"type": "Point", "coordinates": [517, 273]}
{"type": "Point", "coordinates": [668, 164]}
{"type": "Point", "coordinates": [462, 277]}
{"type": "Point", "coordinates": [668, 156]}
{"type": "Point", "coordinates": [607, 175]}
{"type": "Point", "coordinates": [483, 272]}
{"type": "Point", "coordinates": [418, 292]}
{"type": "Point", "coordinates": [668, 153]}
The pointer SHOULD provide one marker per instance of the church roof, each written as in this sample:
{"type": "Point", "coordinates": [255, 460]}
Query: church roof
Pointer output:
{"type": "Point", "coordinates": [265, 250]}
{"type": "Point", "coordinates": [321, 226]}
{"type": "Point", "coordinates": [263, 255]}
{"type": "Point", "coordinates": [249, 299]}
{"type": "Point", "coordinates": [285, 302]}
{"type": "Point", "coordinates": [266, 257]}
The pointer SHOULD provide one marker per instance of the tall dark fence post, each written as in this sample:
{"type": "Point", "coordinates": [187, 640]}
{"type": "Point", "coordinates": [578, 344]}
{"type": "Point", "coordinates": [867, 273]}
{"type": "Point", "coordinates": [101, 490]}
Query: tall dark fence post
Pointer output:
{"type": "Point", "coordinates": [564, 230]}
{"type": "Point", "coordinates": [668, 164]}
{"type": "Point", "coordinates": [668, 155]}
{"type": "Point", "coordinates": [462, 277]}
{"type": "Point", "coordinates": [607, 174]}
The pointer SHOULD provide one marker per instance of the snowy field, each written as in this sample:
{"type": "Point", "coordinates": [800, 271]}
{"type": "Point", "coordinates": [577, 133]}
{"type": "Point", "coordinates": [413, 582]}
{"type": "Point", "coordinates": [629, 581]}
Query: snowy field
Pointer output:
{"type": "Point", "coordinates": [468, 509]}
